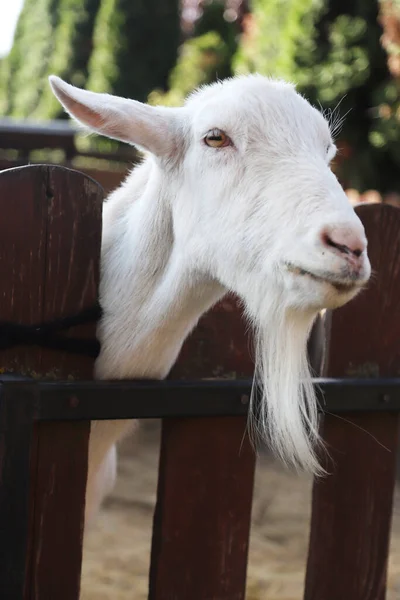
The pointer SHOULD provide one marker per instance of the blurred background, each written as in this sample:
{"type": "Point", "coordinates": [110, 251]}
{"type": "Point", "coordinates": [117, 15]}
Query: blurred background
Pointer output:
{"type": "Point", "coordinates": [343, 55]}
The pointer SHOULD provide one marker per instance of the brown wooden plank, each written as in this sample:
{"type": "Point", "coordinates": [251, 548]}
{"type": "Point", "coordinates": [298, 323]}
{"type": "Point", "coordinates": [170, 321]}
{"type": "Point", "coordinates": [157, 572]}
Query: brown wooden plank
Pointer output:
{"type": "Point", "coordinates": [52, 260]}
{"type": "Point", "coordinates": [71, 277]}
{"type": "Point", "coordinates": [219, 347]}
{"type": "Point", "coordinates": [49, 252]}
{"type": "Point", "coordinates": [351, 518]}
{"type": "Point", "coordinates": [204, 497]}
{"type": "Point", "coordinates": [59, 515]}
{"type": "Point", "coordinates": [16, 439]}
{"type": "Point", "coordinates": [22, 258]}
{"type": "Point", "coordinates": [202, 518]}
{"type": "Point", "coordinates": [71, 282]}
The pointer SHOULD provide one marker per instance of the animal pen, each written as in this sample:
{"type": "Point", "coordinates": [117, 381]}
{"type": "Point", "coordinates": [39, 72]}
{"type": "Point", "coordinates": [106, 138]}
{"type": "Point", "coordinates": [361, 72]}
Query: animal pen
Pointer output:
{"type": "Point", "coordinates": [50, 234]}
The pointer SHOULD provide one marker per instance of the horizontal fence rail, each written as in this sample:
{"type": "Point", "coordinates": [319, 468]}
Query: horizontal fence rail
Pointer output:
{"type": "Point", "coordinates": [89, 400]}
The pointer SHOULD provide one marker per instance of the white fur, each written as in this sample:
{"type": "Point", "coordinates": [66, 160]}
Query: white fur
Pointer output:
{"type": "Point", "coordinates": [193, 222]}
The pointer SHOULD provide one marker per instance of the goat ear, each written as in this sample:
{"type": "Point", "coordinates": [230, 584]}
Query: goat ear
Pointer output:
{"type": "Point", "coordinates": [150, 128]}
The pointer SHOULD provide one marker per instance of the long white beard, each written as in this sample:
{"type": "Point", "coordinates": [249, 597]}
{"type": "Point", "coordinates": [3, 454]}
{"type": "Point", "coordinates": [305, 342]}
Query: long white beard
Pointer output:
{"type": "Point", "coordinates": [287, 416]}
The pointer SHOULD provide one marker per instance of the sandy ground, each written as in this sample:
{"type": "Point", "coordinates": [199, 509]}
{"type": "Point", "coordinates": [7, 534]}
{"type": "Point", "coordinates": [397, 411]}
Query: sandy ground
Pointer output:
{"type": "Point", "coordinates": [116, 558]}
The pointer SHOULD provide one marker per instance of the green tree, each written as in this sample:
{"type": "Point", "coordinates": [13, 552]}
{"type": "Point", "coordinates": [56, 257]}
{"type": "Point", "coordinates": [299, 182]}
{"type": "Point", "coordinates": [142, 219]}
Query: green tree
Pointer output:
{"type": "Point", "coordinates": [332, 51]}
{"type": "Point", "coordinates": [204, 58]}
{"type": "Point", "coordinates": [125, 47]}
{"type": "Point", "coordinates": [346, 63]}
{"type": "Point", "coordinates": [72, 48]}
{"type": "Point", "coordinates": [216, 18]}
{"type": "Point", "coordinates": [52, 36]}
{"type": "Point", "coordinates": [201, 60]}
{"type": "Point", "coordinates": [135, 46]}
{"type": "Point", "coordinates": [385, 133]}
{"type": "Point", "coordinates": [273, 31]}
{"type": "Point", "coordinates": [24, 69]}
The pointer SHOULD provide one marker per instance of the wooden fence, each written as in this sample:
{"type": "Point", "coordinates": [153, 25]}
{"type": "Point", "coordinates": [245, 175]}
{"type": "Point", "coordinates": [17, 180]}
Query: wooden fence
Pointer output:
{"type": "Point", "coordinates": [25, 136]}
{"type": "Point", "coordinates": [50, 233]}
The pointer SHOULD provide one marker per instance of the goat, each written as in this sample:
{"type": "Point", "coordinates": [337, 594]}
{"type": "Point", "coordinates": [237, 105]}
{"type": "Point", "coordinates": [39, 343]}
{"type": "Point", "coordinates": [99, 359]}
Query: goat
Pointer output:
{"type": "Point", "coordinates": [235, 194]}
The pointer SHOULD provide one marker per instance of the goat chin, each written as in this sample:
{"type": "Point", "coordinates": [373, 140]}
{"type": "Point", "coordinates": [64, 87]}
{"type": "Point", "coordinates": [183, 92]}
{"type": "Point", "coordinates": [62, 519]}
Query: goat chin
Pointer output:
{"type": "Point", "coordinates": [286, 417]}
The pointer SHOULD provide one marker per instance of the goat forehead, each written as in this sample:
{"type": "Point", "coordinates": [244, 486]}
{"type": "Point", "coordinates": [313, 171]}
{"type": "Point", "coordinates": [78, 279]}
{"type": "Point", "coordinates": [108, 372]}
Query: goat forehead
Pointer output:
{"type": "Point", "coordinates": [258, 106]}
{"type": "Point", "coordinates": [245, 84]}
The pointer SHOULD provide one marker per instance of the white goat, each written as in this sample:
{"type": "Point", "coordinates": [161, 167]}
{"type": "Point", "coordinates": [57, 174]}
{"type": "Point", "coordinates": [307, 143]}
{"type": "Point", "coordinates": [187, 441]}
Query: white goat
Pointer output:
{"type": "Point", "coordinates": [236, 193]}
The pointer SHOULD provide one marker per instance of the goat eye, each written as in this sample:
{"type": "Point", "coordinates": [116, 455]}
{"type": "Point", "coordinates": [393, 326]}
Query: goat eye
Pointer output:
{"type": "Point", "coordinates": [217, 139]}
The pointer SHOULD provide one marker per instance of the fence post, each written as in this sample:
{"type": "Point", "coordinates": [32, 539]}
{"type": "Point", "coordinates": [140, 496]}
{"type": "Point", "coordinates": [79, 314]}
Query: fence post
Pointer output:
{"type": "Point", "coordinates": [50, 234]}
{"type": "Point", "coordinates": [202, 519]}
{"type": "Point", "coordinates": [352, 506]}
{"type": "Point", "coordinates": [206, 472]}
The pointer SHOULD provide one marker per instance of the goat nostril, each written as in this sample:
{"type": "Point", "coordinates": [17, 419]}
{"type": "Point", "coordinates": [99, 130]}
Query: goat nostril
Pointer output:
{"type": "Point", "coordinates": [345, 243]}
{"type": "Point", "coordinates": [328, 241]}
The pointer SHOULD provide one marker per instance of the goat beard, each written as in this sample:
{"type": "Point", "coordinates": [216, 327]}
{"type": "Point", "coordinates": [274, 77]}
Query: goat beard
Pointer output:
{"type": "Point", "coordinates": [284, 410]}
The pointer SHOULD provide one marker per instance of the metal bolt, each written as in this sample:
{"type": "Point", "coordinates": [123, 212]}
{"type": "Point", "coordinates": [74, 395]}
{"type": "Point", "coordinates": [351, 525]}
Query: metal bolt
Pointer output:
{"type": "Point", "coordinates": [244, 399]}
{"type": "Point", "coordinates": [385, 398]}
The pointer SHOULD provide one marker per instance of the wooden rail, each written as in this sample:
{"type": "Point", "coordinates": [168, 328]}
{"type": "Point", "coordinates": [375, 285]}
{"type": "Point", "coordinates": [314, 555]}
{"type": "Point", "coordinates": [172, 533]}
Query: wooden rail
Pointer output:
{"type": "Point", "coordinates": [26, 136]}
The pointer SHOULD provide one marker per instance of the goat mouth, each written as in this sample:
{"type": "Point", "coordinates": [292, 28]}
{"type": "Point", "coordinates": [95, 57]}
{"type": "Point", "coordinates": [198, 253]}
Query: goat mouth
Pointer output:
{"type": "Point", "coordinates": [339, 285]}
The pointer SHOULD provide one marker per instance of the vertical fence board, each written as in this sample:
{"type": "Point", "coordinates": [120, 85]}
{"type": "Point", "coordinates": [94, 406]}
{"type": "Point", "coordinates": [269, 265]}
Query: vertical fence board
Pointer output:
{"type": "Point", "coordinates": [202, 518]}
{"type": "Point", "coordinates": [22, 257]}
{"type": "Point", "coordinates": [351, 518]}
{"type": "Point", "coordinates": [51, 249]}
{"type": "Point", "coordinates": [61, 474]}
{"type": "Point", "coordinates": [16, 440]}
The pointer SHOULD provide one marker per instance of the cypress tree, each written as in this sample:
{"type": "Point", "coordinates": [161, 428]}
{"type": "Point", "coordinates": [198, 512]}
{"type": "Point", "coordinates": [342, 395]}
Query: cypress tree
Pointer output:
{"type": "Point", "coordinates": [135, 46]}
{"type": "Point", "coordinates": [72, 47]}
{"type": "Point", "coordinates": [52, 36]}
{"type": "Point", "coordinates": [129, 46]}
{"type": "Point", "coordinates": [23, 71]}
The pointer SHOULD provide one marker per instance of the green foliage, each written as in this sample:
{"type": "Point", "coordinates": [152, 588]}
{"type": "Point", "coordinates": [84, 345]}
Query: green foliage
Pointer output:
{"type": "Point", "coordinates": [273, 32]}
{"type": "Point", "coordinates": [385, 131]}
{"type": "Point", "coordinates": [52, 36]}
{"type": "Point", "coordinates": [332, 51]}
{"type": "Point", "coordinates": [341, 66]}
{"type": "Point", "coordinates": [204, 58]}
{"type": "Point", "coordinates": [24, 69]}
{"type": "Point", "coordinates": [135, 46]}
{"type": "Point", "coordinates": [216, 19]}
{"type": "Point", "coordinates": [124, 47]}
{"type": "Point", "coordinates": [72, 46]}
{"type": "Point", "coordinates": [200, 61]}
{"type": "Point", "coordinates": [346, 64]}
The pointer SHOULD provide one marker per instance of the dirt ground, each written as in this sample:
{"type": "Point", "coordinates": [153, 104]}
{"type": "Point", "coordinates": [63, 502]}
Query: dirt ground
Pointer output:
{"type": "Point", "coordinates": [116, 557]}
